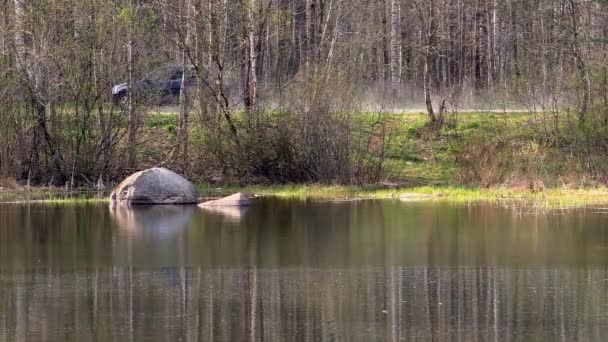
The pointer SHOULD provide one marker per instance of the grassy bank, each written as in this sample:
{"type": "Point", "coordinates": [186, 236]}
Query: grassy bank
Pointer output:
{"type": "Point", "coordinates": [537, 159]}
{"type": "Point", "coordinates": [547, 199]}
{"type": "Point", "coordinates": [49, 195]}
{"type": "Point", "coordinates": [535, 150]}
{"type": "Point", "coordinates": [495, 150]}
{"type": "Point", "coordinates": [550, 198]}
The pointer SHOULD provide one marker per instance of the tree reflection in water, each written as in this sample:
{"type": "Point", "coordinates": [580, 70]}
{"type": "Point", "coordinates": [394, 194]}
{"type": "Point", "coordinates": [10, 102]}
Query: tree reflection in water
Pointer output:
{"type": "Point", "coordinates": [369, 271]}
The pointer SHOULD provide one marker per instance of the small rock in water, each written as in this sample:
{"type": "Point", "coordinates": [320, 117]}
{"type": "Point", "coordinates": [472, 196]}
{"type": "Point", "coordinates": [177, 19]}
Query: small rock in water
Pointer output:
{"type": "Point", "coordinates": [237, 200]}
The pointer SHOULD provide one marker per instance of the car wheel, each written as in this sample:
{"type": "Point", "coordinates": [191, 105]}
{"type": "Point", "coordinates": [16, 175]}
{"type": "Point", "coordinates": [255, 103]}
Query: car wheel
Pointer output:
{"type": "Point", "coordinates": [120, 99]}
{"type": "Point", "coordinates": [123, 99]}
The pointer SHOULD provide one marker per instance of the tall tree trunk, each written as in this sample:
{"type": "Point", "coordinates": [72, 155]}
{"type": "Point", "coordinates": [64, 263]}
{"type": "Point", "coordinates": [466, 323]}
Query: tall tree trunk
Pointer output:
{"type": "Point", "coordinates": [19, 36]}
{"type": "Point", "coordinates": [295, 56]}
{"type": "Point", "coordinates": [429, 49]}
{"type": "Point", "coordinates": [386, 42]}
{"type": "Point", "coordinates": [515, 39]}
{"type": "Point", "coordinates": [131, 115]}
{"type": "Point", "coordinates": [251, 86]}
{"type": "Point", "coordinates": [584, 80]}
{"type": "Point", "coordinates": [309, 30]}
{"type": "Point", "coordinates": [395, 46]}
{"type": "Point", "coordinates": [184, 104]}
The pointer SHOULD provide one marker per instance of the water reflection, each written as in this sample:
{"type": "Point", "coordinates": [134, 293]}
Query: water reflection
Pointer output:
{"type": "Point", "coordinates": [387, 304]}
{"type": "Point", "coordinates": [158, 221]}
{"type": "Point", "coordinates": [230, 213]}
{"type": "Point", "coordinates": [302, 271]}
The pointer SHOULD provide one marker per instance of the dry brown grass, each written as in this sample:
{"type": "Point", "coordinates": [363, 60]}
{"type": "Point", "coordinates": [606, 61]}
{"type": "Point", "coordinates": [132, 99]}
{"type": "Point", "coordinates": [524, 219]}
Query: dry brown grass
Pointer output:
{"type": "Point", "coordinates": [9, 183]}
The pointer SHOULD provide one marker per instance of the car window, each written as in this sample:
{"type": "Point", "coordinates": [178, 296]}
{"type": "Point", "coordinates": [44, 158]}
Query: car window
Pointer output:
{"type": "Point", "coordinates": [161, 73]}
{"type": "Point", "coordinates": [167, 73]}
{"type": "Point", "coordinates": [177, 74]}
{"type": "Point", "coordinates": [154, 74]}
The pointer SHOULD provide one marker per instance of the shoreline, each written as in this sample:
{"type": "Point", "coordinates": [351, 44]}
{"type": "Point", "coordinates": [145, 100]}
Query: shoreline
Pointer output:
{"type": "Point", "coordinates": [556, 198]}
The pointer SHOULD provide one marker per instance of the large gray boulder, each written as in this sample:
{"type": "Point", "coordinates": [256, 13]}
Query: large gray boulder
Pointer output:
{"type": "Point", "coordinates": [237, 200]}
{"type": "Point", "coordinates": [154, 186]}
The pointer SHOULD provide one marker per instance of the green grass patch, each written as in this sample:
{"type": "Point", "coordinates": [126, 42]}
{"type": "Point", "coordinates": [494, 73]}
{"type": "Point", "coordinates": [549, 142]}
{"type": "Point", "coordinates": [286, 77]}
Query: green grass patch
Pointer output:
{"type": "Point", "coordinates": [548, 199]}
{"type": "Point", "coordinates": [53, 196]}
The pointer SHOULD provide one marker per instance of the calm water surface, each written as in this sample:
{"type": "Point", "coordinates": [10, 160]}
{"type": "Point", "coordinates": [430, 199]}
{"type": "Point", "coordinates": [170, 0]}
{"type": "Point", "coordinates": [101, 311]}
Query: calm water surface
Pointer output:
{"type": "Point", "coordinates": [303, 271]}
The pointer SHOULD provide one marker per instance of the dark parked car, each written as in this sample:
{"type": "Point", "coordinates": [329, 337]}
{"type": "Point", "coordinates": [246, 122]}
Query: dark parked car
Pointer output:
{"type": "Point", "coordinates": [160, 86]}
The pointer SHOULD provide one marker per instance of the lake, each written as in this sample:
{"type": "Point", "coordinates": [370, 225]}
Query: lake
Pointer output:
{"type": "Point", "coordinates": [377, 270]}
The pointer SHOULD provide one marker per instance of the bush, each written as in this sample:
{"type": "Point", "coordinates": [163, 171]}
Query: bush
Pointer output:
{"type": "Point", "coordinates": [9, 183]}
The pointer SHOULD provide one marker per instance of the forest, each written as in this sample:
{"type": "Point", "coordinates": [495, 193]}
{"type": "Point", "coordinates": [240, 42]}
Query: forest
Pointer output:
{"type": "Point", "coordinates": [479, 92]}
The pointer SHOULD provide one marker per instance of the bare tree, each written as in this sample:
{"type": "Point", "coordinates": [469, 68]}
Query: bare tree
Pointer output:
{"type": "Point", "coordinates": [395, 45]}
